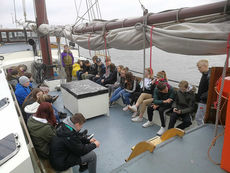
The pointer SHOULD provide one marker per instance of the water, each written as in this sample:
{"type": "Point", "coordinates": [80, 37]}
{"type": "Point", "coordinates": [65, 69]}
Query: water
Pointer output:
{"type": "Point", "coordinates": [178, 67]}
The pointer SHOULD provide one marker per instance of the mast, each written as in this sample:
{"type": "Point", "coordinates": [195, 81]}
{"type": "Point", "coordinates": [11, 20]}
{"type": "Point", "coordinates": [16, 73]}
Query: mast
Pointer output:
{"type": "Point", "coordinates": [167, 16]}
{"type": "Point", "coordinates": [41, 18]}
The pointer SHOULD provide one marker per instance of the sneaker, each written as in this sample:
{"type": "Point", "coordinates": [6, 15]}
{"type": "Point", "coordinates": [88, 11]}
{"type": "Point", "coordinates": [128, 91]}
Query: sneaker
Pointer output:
{"type": "Point", "coordinates": [161, 131]}
{"type": "Point", "coordinates": [147, 124]}
{"type": "Point", "coordinates": [137, 119]}
{"type": "Point", "coordinates": [134, 114]}
{"type": "Point", "coordinates": [133, 108]}
{"type": "Point", "coordinates": [126, 108]}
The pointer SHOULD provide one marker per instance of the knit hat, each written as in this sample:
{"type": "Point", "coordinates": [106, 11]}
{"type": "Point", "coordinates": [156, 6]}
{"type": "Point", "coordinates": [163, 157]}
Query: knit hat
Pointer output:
{"type": "Point", "coordinates": [23, 80]}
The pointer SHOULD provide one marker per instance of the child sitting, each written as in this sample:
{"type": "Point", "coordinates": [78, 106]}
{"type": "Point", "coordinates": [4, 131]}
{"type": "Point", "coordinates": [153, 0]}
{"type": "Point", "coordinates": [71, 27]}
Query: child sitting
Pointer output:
{"type": "Point", "coordinates": [182, 106]}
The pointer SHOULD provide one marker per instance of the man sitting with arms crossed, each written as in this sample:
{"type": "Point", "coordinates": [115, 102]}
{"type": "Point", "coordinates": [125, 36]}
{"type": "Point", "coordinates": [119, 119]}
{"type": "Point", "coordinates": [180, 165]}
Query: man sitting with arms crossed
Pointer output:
{"type": "Point", "coordinates": [70, 147]}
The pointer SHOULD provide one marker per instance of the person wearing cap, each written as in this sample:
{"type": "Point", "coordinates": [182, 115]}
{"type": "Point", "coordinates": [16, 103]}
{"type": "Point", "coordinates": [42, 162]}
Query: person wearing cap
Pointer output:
{"type": "Point", "coordinates": [100, 70]}
{"type": "Point", "coordinates": [22, 89]}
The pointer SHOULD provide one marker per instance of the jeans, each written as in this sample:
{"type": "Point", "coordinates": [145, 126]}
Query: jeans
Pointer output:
{"type": "Point", "coordinates": [125, 97]}
{"type": "Point", "coordinates": [201, 110]}
{"type": "Point", "coordinates": [116, 95]}
{"type": "Point", "coordinates": [99, 81]}
{"type": "Point", "coordinates": [56, 114]}
{"type": "Point", "coordinates": [91, 160]}
{"type": "Point", "coordinates": [161, 110]}
{"type": "Point", "coordinates": [79, 73]}
{"type": "Point", "coordinates": [186, 121]}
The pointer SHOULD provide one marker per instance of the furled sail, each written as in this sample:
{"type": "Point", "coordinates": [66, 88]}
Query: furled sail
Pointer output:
{"type": "Point", "coordinates": [183, 38]}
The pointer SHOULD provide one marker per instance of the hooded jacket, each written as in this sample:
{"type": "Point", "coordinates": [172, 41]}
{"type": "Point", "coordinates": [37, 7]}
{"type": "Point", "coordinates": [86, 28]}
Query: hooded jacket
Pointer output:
{"type": "Point", "coordinates": [41, 133]}
{"type": "Point", "coordinates": [184, 101]}
{"type": "Point", "coordinates": [21, 93]}
{"type": "Point", "coordinates": [68, 146]}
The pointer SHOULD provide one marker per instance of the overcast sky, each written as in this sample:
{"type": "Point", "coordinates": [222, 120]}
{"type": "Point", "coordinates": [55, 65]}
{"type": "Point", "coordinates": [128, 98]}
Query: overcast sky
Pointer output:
{"type": "Point", "coordinates": [63, 11]}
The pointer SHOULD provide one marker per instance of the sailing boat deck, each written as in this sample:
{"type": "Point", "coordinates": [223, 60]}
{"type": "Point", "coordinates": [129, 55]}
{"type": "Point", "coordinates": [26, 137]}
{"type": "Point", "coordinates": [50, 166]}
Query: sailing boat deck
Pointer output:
{"type": "Point", "coordinates": [187, 154]}
{"type": "Point", "coordinates": [117, 134]}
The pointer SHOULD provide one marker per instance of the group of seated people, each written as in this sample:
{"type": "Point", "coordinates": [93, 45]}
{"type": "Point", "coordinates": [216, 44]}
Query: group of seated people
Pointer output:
{"type": "Point", "coordinates": [152, 93]}
{"type": "Point", "coordinates": [61, 143]}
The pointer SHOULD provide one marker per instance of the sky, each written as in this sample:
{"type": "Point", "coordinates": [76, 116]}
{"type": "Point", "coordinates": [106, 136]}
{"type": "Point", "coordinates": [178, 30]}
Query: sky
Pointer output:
{"type": "Point", "coordinates": [61, 12]}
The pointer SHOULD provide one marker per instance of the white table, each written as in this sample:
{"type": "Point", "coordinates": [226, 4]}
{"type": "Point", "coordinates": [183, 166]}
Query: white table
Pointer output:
{"type": "Point", "coordinates": [86, 97]}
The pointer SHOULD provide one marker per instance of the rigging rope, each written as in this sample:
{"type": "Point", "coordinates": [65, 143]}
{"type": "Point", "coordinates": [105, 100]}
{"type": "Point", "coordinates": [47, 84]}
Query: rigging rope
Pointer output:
{"type": "Point", "coordinates": [151, 44]}
{"type": "Point", "coordinates": [105, 52]}
{"type": "Point", "coordinates": [222, 86]}
{"type": "Point", "coordinates": [89, 44]}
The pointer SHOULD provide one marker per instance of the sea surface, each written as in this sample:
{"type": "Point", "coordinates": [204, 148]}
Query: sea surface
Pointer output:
{"type": "Point", "coordinates": [178, 67]}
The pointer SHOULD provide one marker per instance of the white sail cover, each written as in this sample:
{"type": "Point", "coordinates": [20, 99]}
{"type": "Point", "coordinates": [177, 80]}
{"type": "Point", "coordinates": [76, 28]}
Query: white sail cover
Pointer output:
{"type": "Point", "coordinates": [183, 38]}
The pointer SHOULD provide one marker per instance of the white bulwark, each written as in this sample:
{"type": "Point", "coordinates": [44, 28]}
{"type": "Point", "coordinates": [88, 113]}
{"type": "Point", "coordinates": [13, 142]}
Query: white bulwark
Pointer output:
{"type": "Point", "coordinates": [10, 123]}
{"type": "Point", "coordinates": [86, 97]}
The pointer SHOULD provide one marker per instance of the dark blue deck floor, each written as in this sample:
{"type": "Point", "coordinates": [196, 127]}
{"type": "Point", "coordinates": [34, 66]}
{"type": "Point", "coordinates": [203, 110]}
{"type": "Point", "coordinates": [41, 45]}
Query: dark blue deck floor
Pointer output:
{"type": "Point", "coordinates": [180, 155]}
{"type": "Point", "coordinates": [116, 133]}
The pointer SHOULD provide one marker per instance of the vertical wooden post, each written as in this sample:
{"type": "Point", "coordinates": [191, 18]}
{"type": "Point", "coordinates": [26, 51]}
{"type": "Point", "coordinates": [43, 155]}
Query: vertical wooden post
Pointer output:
{"type": "Point", "coordinates": [41, 18]}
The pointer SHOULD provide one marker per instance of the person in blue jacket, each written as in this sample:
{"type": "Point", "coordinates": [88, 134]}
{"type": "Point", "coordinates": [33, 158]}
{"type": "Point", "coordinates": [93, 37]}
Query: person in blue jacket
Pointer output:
{"type": "Point", "coordinates": [22, 89]}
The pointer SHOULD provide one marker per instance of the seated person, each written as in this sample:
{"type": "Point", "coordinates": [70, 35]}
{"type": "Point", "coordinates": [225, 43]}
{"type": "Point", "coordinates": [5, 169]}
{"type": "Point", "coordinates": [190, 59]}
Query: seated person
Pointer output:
{"type": "Point", "coordinates": [85, 68]}
{"type": "Point", "coordinates": [111, 79]}
{"type": "Point", "coordinates": [108, 62]}
{"type": "Point", "coordinates": [130, 86]}
{"type": "Point", "coordinates": [12, 78]}
{"type": "Point", "coordinates": [22, 68]}
{"type": "Point", "coordinates": [32, 108]}
{"type": "Point", "coordinates": [41, 127]}
{"type": "Point", "coordinates": [70, 147]}
{"type": "Point", "coordinates": [182, 106]}
{"type": "Point", "coordinates": [44, 88]}
{"type": "Point", "coordinates": [100, 70]}
{"type": "Point", "coordinates": [146, 98]}
{"type": "Point", "coordinates": [163, 98]}
{"type": "Point", "coordinates": [112, 87]}
{"type": "Point", "coordinates": [144, 93]}
{"type": "Point", "coordinates": [30, 99]}
{"type": "Point", "coordinates": [93, 70]}
{"type": "Point", "coordinates": [22, 89]}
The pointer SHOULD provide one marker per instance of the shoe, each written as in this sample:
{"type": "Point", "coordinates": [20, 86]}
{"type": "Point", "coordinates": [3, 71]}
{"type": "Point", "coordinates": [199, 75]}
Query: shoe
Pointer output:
{"type": "Point", "coordinates": [148, 124]}
{"type": "Point", "coordinates": [54, 98]}
{"type": "Point", "coordinates": [83, 167]}
{"type": "Point", "coordinates": [126, 108]}
{"type": "Point", "coordinates": [62, 115]}
{"type": "Point", "coordinates": [133, 108]}
{"type": "Point", "coordinates": [137, 119]}
{"type": "Point", "coordinates": [134, 114]}
{"type": "Point", "coordinates": [161, 131]}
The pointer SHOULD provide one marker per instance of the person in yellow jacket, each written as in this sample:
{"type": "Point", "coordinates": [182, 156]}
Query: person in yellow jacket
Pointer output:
{"type": "Point", "coordinates": [67, 62]}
